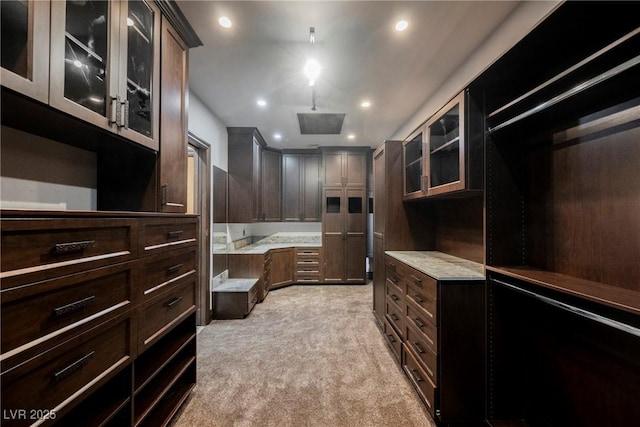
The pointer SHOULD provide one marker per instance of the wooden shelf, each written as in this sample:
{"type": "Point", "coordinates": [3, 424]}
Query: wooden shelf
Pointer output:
{"type": "Point", "coordinates": [620, 298]}
{"type": "Point", "coordinates": [169, 405]}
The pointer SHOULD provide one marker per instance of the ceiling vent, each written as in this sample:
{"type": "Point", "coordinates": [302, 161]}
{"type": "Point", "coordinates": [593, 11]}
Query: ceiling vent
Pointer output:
{"type": "Point", "coordinates": [320, 123]}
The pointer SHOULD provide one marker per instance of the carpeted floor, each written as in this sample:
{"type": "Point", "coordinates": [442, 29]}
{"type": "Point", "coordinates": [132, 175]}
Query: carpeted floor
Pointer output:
{"type": "Point", "coordinates": [306, 356]}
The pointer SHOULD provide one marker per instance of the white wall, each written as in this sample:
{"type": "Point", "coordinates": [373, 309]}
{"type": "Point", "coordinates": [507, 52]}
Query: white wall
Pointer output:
{"type": "Point", "coordinates": [38, 173]}
{"type": "Point", "coordinates": [207, 127]}
{"type": "Point", "coordinates": [518, 24]}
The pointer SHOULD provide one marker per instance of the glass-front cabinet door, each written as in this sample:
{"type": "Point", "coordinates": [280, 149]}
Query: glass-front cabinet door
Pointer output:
{"type": "Point", "coordinates": [104, 67]}
{"type": "Point", "coordinates": [24, 33]}
{"type": "Point", "coordinates": [446, 150]}
{"type": "Point", "coordinates": [413, 165]}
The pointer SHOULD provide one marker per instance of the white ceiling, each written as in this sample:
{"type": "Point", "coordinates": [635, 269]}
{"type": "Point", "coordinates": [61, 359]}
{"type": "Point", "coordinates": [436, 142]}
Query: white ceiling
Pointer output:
{"type": "Point", "coordinates": [262, 56]}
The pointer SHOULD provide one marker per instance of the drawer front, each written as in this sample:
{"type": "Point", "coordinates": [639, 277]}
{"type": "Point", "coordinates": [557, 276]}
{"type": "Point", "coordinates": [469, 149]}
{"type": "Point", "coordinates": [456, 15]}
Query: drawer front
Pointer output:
{"type": "Point", "coordinates": [40, 249]}
{"type": "Point", "coordinates": [54, 379]}
{"type": "Point", "coordinates": [165, 270]}
{"type": "Point", "coordinates": [253, 298]}
{"type": "Point", "coordinates": [396, 294]}
{"type": "Point", "coordinates": [420, 380]}
{"type": "Point", "coordinates": [59, 307]}
{"type": "Point", "coordinates": [426, 303]}
{"type": "Point", "coordinates": [307, 277]}
{"type": "Point", "coordinates": [394, 341]}
{"type": "Point", "coordinates": [417, 318]}
{"type": "Point", "coordinates": [422, 349]}
{"type": "Point", "coordinates": [421, 282]}
{"type": "Point", "coordinates": [395, 316]}
{"type": "Point", "coordinates": [164, 234]}
{"type": "Point", "coordinates": [308, 253]}
{"type": "Point", "coordinates": [161, 314]}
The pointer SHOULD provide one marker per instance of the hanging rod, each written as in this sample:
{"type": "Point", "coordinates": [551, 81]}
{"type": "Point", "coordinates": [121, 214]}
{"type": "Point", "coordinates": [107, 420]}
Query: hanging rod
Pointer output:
{"type": "Point", "coordinates": [573, 309]}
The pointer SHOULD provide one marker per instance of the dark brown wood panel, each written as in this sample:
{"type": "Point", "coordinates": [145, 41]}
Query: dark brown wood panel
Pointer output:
{"type": "Point", "coordinates": [282, 267]}
{"type": "Point", "coordinates": [311, 192]}
{"type": "Point", "coordinates": [271, 186]}
{"type": "Point", "coordinates": [291, 182]}
{"type": "Point", "coordinates": [460, 229]}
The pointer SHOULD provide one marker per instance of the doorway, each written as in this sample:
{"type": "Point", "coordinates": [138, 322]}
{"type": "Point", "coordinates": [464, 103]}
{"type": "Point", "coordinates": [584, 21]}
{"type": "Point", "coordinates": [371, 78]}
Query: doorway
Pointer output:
{"type": "Point", "coordinates": [199, 203]}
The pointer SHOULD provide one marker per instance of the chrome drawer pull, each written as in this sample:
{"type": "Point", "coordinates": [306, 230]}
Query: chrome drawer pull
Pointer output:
{"type": "Point", "coordinates": [415, 375]}
{"type": "Point", "coordinates": [394, 297]}
{"type": "Point", "coordinates": [391, 338]}
{"type": "Point", "coordinates": [174, 234]}
{"type": "Point", "coordinates": [74, 367]}
{"type": "Point", "coordinates": [418, 347]}
{"type": "Point", "coordinates": [416, 280]}
{"type": "Point", "coordinates": [418, 323]}
{"type": "Point", "coordinates": [77, 305]}
{"type": "Point", "coordinates": [173, 302]}
{"type": "Point", "coordinates": [64, 248]}
{"type": "Point", "coordinates": [417, 298]}
{"type": "Point", "coordinates": [174, 268]}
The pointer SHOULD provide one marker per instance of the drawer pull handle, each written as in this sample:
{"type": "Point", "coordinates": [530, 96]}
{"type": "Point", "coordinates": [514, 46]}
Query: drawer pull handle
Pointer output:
{"type": "Point", "coordinates": [394, 317]}
{"type": "Point", "coordinates": [418, 347]}
{"type": "Point", "coordinates": [174, 269]}
{"type": "Point", "coordinates": [174, 234]}
{"type": "Point", "coordinates": [418, 323]}
{"type": "Point", "coordinates": [394, 297]}
{"type": "Point", "coordinates": [74, 367]}
{"type": "Point", "coordinates": [77, 305]}
{"type": "Point", "coordinates": [417, 298]}
{"type": "Point", "coordinates": [173, 302]}
{"type": "Point", "coordinates": [416, 280]}
{"type": "Point", "coordinates": [391, 338]}
{"type": "Point", "coordinates": [65, 248]}
{"type": "Point", "coordinates": [416, 377]}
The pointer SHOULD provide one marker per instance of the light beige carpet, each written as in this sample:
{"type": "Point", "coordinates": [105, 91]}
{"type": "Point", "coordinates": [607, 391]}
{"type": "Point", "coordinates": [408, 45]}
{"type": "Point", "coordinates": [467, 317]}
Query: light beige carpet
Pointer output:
{"type": "Point", "coordinates": [306, 356]}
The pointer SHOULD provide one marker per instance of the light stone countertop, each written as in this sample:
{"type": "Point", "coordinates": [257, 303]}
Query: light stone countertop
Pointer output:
{"type": "Point", "coordinates": [439, 265]}
{"type": "Point", "coordinates": [282, 240]}
{"type": "Point", "coordinates": [235, 285]}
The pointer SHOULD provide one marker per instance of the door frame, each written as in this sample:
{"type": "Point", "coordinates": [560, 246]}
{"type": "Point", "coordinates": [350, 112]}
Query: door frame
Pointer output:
{"type": "Point", "coordinates": [203, 206]}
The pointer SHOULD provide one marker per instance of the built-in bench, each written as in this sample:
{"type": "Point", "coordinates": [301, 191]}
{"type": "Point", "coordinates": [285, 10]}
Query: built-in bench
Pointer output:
{"type": "Point", "coordinates": [235, 298]}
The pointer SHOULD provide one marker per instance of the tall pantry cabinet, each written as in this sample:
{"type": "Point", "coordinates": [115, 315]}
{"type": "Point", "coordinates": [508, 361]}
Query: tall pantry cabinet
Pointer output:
{"type": "Point", "coordinates": [344, 212]}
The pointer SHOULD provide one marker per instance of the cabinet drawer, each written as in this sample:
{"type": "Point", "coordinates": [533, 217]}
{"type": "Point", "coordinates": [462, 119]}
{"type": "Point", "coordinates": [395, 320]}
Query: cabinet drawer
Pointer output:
{"type": "Point", "coordinates": [417, 318]}
{"type": "Point", "coordinates": [306, 277]}
{"type": "Point", "coordinates": [159, 235]}
{"type": "Point", "coordinates": [253, 298]}
{"type": "Point", "coordinates": [420, 282]}
{"type": "Point", "coordinates": [303, 253]}
{"type": "Point", "coordinates": [161, 314]}
{"type": "Point", "coordinates": [36, 313]}
{"type": "Point", "coordinates": [393, 339]}
{"type": "Point", "coordinates": [57, 379]}
{"type": "Point", "coordinates": [396, 295]}
{"type": "Point", "coordinates": [424, 302]}
{"type": "Point", "coordinates": [162, 271]}
{"type": "Point", "coordinates": [426, 389]}
{"type": "Point", "coordinates": [40, 249]}
{"type": "Point", "coordinates": [395, 315]}
{"type": "Point", "coordinates": [423, 350]}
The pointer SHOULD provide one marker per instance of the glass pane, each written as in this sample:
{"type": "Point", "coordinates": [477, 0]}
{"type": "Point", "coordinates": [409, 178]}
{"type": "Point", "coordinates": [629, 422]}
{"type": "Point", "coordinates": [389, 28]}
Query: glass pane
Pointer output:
{"type": "Point", "coordinates": [413, 149]}
{"type": "Point", "coordinates": [14, 34]}
{"type": "Point", "coordinates": [140, 66]}
{"type": "Point", "coordinates": [413, 176]}
{"type": "Point", "coordinates": [333, 204]}
{"type": "Point", "coordinates": [444, 149]}
{"type": "Point", "coordinates": [355, 205]}
{"type": "Point", "coordinates": [86, 54]}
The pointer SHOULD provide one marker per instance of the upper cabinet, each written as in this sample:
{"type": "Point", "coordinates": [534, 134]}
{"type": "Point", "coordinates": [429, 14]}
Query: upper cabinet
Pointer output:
{"type": "Point", "coordinates": [301, 187]}
{"type": "Point", "coordinates": [25, 47]}
{"type": "Point", "coordinates": [344, 168]}
{"type": "Point", "coordinates": [105, 65]}
{"type": "Point", "coordinates": [271, 185]}
{"type": "Point", "coordinates": [445, 155]}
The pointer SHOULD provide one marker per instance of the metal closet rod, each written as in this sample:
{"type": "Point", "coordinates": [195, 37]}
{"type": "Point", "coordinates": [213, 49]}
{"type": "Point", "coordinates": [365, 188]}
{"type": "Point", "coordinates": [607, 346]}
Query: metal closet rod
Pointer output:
{"type": "Point", "coordinates": [573, 309]}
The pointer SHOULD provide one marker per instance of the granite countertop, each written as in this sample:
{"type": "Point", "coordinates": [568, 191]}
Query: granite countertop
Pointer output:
{"type": "Point", "coordinates": [282, 240]}
{"type": "Point", "coordinates": [235, 285]}
{"type": "Point", "coordinates": [440, 266]}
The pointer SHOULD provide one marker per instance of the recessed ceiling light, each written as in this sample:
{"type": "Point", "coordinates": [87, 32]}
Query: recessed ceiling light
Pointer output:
{"type": "Point", "coordinates": [401, 25]}
{"type": "Point", "coordinates": [277, 136]}
{"type": "Point", "coordinates": [351, 136]}
{"type": "Point", "coordinates": [261, 102]}
{"type": "Point", "coordinates": [224, 22]}
{"type": "Point", "coordinates": [365, 104]}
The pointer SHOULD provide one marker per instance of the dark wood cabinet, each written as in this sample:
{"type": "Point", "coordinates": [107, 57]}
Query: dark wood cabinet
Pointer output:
{"type": "Point", "coordinates": [342, 168]}
{"type": "Point", "coordinates": [271, 185]}
{"type": "Point", "coordinates": [172, 167]}
{"type": "Point", "coordinates": [301, 187]}
{"type": "Point", "coordinates": [282, 267]}
{"type": "Point", "coordinates": [435, 328]}
{"type": "Point", "coordinates": [308, 265]}
{"type": "Point", "coordinates": [95, 306]}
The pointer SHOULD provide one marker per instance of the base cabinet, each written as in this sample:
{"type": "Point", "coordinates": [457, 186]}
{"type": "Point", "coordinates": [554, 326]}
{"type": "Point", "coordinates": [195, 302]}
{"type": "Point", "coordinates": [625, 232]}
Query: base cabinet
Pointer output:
{"type": "Point", "coordinates": [114, 299]}
{"type": "Point", "coordinates": [435, 329]}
